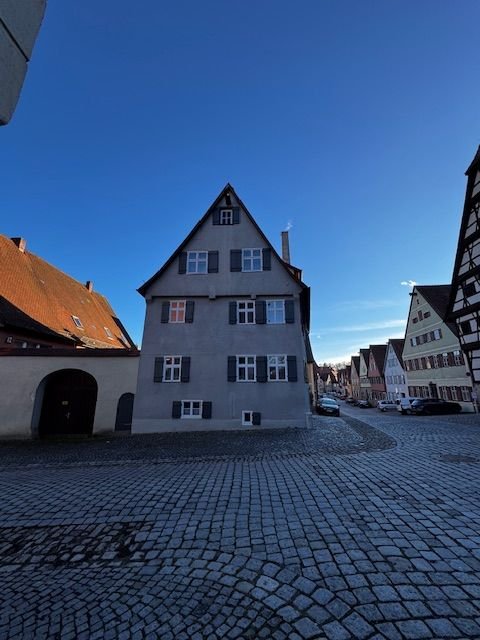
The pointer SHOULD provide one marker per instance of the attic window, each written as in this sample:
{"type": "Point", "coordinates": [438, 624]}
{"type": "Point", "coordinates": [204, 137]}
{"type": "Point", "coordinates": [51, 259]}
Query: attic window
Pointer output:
{"type": "Point", "coordinates": [226, 216]}
{"type": "Point", "coordinates": [78, 322]}
{"type": "Point", "coordinates": [108, 332]}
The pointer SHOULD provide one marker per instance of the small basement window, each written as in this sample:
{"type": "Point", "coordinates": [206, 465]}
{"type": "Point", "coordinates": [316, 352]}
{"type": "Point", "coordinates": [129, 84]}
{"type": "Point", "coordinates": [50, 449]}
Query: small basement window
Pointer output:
{"type": "Point", "coordinates": [247, 418]}
{"type": "Point", "coordinates": [77, 322]}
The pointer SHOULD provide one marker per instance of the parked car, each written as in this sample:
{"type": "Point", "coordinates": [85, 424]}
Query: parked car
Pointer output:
{"type": "Point", "coordinates": [350, 400]}
{"type": "Point", "coordinates": [386, 405]}
{"type": "Point", "coordinates": [434, 405]}
{"type": "Point", "coordinates": [404, 405]}
{"type": "Point", "coordinates": [363, 404]}
{"type": "Point", "coordinates": [328, 406]}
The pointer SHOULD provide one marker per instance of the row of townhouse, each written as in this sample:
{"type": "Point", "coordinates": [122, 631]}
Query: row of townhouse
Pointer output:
{"type": "Point", "coordinates": [440, 354]}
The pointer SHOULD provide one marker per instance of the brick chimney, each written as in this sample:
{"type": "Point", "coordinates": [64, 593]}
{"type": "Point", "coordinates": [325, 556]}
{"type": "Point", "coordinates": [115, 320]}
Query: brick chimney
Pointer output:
{"type": "Point", "coordinates": [285, 247]}
{"type": "Point", "coordinates": [89, 285]}
{"type": "Point", "coordinates": [21, 243]}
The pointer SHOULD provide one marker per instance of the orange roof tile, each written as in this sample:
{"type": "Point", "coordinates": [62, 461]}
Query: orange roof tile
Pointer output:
{"type": "Point", "coordinates": [38, 297]}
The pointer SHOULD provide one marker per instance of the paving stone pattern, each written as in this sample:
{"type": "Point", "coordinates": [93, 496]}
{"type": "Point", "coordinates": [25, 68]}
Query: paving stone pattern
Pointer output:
{"type": "Point", "coordinates": [367, 526]}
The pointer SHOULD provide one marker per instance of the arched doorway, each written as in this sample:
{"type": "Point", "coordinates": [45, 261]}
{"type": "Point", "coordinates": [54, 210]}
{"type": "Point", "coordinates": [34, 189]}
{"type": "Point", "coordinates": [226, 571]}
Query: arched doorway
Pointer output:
{"type": "Point", "coordinates": [123, 421]}
{"type": "Point", "coordinates": [68, 405]}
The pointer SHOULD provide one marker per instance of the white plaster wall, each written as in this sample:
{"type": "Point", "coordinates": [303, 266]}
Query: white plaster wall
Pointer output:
{"type": "Point", "coordinates": [20, 377]}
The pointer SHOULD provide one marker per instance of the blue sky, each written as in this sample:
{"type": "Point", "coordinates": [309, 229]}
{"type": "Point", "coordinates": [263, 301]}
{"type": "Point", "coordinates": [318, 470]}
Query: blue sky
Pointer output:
{"type": "Point", "coordinates": [352, 121]}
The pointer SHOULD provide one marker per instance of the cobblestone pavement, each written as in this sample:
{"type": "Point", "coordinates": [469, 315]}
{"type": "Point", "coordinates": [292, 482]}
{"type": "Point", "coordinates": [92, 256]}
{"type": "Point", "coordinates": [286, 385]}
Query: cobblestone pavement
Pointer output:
{"type": "Point", "coordinates": [366, 526]}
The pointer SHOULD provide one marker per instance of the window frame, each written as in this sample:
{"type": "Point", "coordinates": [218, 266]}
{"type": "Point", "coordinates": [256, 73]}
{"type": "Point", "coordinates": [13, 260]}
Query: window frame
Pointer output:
{"type": "Point", "coordinates": [227, 219]}
{"type": "Point", "coordinates": [245, 422]}
{"type": "Point", "coordinates": [77, 322]}
{"type": "Point", "coordinates": [172, 367]}
{"type": "Point", "coordinates": [251, 258]}
{"type": "Point", "coordinates": [246, 311]}
{"type": "Point", "coordinates": [197, 262]}
{"type": "Point", "coordinates": [177, 310]}
{"type": "Point", "coordinates": [246, 366]}
{"type": "Point", "coordinates": [277, 366]}
{"type": "Point", "coordinates": [275, 311]}
{"type": "Point", "coordinates": [191, 415]}
{"type": "Point", "coordinates": [109, 333]}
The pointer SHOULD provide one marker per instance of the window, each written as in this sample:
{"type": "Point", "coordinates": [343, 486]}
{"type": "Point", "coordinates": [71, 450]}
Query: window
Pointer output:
{"type": "Point", "coordinates": [435, 361]}
{"type": "Point", "coordinates": [251, 259]}
{"type": "Point", "coordinates": [197, 261]}
{"type": "Point", "coordinates": [77, 322]}
{"type": "Point", "coordinates": [108, 332]}
{"type": "Point", "coordinates": [465, 327]}
{"type": "Point", "coordinates": [246, 312]}
{"type": "Point", "coordinates": [247, 418]}
{"type": "Point", "coordinates": [226, 216]}
{"type": "Point", "coordinates": [275, 311]}
{"type": "Point", "coordinates": [437, 334]}
{"type": "Point", "coordinates": [469, 289]}
{"type": "Point", "coordinates": [466, 397]}
{"type": "Point", "coordinates": [415, 320]}
{"type": "Point", "coordinates": [426, 314]}
{"type": "Point", "coordinates": [454, 392]}
{"type": "Point", "coordinates": [172, 366]}
{"type": "Point", "coordinates": [192, 408]}
{"type": "Point", "coordinates": [277, 368]}
{"type": "Point", "coordinates": [177, 311]}
{"type": "Point", "coordinates": [420, 315]}
{"type": "Point", "coordinates": [457, 358]}
{"type": "Point", "coordinates": [246, 369]}
{"type": "Point", "coordinates": [445, 359]}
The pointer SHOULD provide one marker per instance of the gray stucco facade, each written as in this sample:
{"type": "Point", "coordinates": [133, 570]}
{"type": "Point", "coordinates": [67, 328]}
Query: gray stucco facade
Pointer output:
{"type": "Point", "coordinates": [214, 336]}
{"type": "Point", "coordinates": [20, 21]}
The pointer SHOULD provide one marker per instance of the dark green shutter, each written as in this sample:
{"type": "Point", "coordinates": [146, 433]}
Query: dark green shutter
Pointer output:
{"type": "Point", "coordinates": [260, 311]}
{"type": "Point", "coordinates": [292, 368]}
{"type": "Point", "coordinates": [189, 310]}
{"type": "Point", "coordinates": [232, 313]}
{"type": "Point", "coordinates": [289, 311]}
{"type": "Point", "coordinates": [267, 259]}
{"type": "Point", "coordinates": [236, 215]}
{"type": "Point", "coordinates": [232, 368]}
{"type": "Point", "coordinates": [216, 216]}
{"type": "Point", "coordinates": [185, 370]}
{"type": "Point", "coordinates": [182, 262]}
{"type": "Point", "coordinates": [213, 262]}
{"type": "Point", "coordinates": [158, 370]}
{"type": "Point", "coordinates": [235, 260]}
{"type": "Point", "coordinates": [256, 418]}
{"type": "Point", "coordinates": [207, 410]}
{"type": "Point", "coordinates": [261, 368]}
{"type": "Point", "coordinates": [165, 311]}
{"type": "Point", "coordinates": [176, 409]}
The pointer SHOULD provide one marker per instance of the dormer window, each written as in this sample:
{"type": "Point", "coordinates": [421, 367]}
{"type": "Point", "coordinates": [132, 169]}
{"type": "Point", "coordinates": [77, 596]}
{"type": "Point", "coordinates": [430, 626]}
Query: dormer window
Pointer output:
{"type": "Point", "coordinates": [108, 332]}
{"type": "Point", "coordinates": [78, 322]}
{"type": "Point", "coordinates": [226, 216]}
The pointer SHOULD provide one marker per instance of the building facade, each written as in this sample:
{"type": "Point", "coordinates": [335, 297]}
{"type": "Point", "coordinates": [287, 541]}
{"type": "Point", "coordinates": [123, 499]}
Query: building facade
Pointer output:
{"type": "Point", "coordinates": [355, 377]}
{"type": "Point", "coordinates": [434, 362]}
{"type": "Point", "coordinates": [375, 372]}
{"type": "Point", "coordinates": [226, 329]}
{"type": "Point", "coordinates": [365, 386]}
{"type": "Point", "coordinates": [464, 307]}
{"type": "Point", "coordinates": [395, 380]}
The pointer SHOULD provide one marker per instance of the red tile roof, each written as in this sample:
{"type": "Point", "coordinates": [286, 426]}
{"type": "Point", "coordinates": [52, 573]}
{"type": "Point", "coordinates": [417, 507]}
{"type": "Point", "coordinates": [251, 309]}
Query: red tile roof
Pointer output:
{"type": "Point", "coordinates": [37, 297]}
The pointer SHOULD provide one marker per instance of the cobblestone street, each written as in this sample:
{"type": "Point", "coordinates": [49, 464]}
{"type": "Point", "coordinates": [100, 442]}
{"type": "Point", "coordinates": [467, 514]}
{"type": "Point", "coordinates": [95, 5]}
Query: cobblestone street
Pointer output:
{"type": "Point", "coordinates": [365, 526]}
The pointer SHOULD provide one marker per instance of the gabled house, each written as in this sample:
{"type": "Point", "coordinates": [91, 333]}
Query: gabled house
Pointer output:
{"type": "Point", "coordinates": [375, 372]}
{"type": "Point", "coordinates": [226, 331]}
{"type": "Point", "coordinates": [464, 304]}
{"type": "Point", "coordinates": [355, 377]}
{"type": "Point", "coordinates": [434, 362]}
{"type": "Point", "coordinates": [343, 377]}
{"type": "Point", "coordinates": [42, 307]}
{"type": "Point", "coordinates": [394, 373]}
{"type": "Point", "coordinates": [365, 386]}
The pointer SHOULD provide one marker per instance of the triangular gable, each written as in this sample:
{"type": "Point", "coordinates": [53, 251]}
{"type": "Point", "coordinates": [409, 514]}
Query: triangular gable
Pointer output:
{"type": "Point", "coordinates": [226, 190]}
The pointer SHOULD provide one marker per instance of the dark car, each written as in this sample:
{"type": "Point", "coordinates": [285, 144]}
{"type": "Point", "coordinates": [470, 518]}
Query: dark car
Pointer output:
{"type": "Point", "coordinates": [434, 405]}
{"type": "Point", "coordinates": [350, 400]}
{"type": "Point", "coordinates": [364, 404]}
{"type": "Point", "coordinates": [328, 406]}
